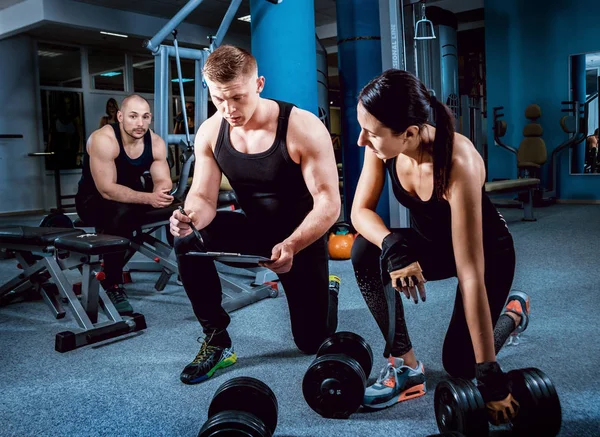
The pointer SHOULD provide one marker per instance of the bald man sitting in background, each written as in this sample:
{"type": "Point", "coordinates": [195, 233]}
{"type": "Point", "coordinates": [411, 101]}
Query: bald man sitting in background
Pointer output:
{"type": "Point", "coordinates": [112, 196]}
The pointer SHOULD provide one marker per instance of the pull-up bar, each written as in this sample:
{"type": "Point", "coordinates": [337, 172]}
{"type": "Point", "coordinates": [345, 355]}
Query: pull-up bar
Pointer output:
{"type": "Point", "coordinates": [154, 43]}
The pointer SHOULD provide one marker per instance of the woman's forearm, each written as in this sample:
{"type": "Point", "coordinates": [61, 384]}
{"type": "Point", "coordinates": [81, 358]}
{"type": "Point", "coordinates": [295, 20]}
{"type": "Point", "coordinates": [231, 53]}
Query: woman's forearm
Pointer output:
{"type": "Point", "coordinates": [479, 319]}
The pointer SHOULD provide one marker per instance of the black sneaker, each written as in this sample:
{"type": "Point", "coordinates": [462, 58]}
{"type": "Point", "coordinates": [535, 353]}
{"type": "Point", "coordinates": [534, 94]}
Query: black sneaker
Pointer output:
{"type": "Point", "coordinates": [208, 361]}
{"type": "Point", "coordinates": [119, 299]}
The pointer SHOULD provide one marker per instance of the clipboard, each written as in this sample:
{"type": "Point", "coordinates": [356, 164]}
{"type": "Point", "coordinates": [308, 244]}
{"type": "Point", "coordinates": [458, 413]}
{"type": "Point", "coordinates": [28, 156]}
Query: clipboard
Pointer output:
{"type": "Point", "coordinates": [228, 257]}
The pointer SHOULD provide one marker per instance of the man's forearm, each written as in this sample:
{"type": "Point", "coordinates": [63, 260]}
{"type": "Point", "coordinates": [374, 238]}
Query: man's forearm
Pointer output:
{"type": "Point", "coordinates": [322, 217]}
{"type": "Point", "coordinates": [123, 194]}
{"type": "Point", "coordinates": [204, 211]}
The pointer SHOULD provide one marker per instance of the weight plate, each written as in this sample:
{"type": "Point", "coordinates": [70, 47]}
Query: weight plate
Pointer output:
{"type": "Point", "coordinates": [246, 394]}
{"type": "Point", "coordinates": [540, 410]}
{"type": "Point", "coordinates": [350, 344]}
{"type": "Point", "coordinates": [334, 386]}
{"type": "Point", "coordinates": [459, 407]}
{"type": "Point", "coordinates": [56, 220]}
{"type": "Point", "coordinates": [234, 424]}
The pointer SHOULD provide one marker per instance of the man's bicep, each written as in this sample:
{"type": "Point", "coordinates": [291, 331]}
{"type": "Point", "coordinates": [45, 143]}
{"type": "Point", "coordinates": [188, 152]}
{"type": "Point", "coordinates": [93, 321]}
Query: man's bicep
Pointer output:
{"type": "Point", "coordinates": [317, 161]}
{"type": "Point", "coordinates": [102, 162]}
{"type": "Point", "coordinates": [207, 174]}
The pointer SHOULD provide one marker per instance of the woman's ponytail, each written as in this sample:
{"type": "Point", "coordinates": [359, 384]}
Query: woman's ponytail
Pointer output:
{"type": "Point", "coordinates": [443, 145]}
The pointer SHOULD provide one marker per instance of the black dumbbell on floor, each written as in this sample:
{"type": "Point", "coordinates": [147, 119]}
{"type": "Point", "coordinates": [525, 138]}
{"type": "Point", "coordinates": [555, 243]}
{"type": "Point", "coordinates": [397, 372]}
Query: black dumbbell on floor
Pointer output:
{"type": "Point", "coordinates": [242, 406]}
{"type": "Point", "coordinates": [460, 407]}
{"type": "Point", "coordinates": [334, 384]}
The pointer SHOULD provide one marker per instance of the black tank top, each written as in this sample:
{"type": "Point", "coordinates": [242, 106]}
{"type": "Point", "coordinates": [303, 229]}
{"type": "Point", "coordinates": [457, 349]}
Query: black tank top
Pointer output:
{"type": "Point", "coordinates": [129, 171]}
{"type": "Point", "coordinates": [431, 218]}
{"type": "Point", "coordinates": [269, 185]}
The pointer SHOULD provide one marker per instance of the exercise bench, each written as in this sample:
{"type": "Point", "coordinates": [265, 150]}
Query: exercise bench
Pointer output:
{"type": "Point", "coordinates": [521, 185]}
{"type": "Point", "coordinates": [62, 250]}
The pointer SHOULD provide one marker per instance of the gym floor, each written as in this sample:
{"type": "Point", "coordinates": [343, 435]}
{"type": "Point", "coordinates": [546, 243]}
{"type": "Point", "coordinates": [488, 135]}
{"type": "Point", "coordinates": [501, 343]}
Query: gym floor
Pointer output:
{"type": "Point", "coordinates": [130, 386]}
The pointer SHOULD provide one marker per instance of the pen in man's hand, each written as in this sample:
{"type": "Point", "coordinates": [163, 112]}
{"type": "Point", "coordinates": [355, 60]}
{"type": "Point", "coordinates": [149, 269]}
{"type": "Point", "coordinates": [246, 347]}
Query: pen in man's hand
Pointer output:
{"type": "Point", "coordinates": [196, 233]}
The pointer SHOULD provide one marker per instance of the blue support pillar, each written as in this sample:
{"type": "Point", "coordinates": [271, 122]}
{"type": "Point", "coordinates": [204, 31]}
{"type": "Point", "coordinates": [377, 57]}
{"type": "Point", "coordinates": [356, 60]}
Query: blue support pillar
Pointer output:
{"type": "Point", "coordinates": [359, 61]}
{"type": "Point", "coordinates": [283, 42]}
{"type": "Point", "coordinates": [578, 94]}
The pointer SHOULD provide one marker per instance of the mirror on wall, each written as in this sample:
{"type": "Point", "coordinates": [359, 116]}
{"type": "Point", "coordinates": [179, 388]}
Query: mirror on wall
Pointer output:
{"type": "Point", "coordinates": [584, 86]}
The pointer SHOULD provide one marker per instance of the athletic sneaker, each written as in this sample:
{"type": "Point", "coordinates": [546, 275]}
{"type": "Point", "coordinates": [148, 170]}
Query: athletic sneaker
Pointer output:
{"type": "Point", "coordinates": [396, 383]}
{"type": "Point", "coordinates": [518, 303]}
{"type": "Point", "coordinates": [118, 297]}
{"type": "Point", "coordinates": [209, 359]}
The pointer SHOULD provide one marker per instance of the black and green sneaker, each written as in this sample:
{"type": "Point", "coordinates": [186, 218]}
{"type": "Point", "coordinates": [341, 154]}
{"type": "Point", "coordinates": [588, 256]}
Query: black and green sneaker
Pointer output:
{"type": "Point", "coordinates": [119, 299]}
{"type": "Point", "coordinates": [208, 360]}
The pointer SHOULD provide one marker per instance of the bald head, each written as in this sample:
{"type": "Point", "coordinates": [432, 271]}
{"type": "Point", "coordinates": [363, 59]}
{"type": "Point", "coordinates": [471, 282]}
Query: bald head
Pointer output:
{"type": "Point", "coordinates": [134, 99]}
{"type": "Point", "coordinates": [134, 116]}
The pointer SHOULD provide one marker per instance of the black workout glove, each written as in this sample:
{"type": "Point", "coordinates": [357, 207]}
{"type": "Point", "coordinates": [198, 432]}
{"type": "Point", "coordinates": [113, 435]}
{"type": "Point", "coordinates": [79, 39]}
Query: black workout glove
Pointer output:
{"type": "Point", "coordinates": [492, 381]}
{"type": "Point", "coordinates": [395, 252]}
{"type": "Point", "coordinates": [493, 384]}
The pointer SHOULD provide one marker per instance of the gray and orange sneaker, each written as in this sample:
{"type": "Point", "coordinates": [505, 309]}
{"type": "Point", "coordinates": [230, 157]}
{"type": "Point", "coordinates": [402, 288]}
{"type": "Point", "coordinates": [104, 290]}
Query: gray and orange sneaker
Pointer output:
{"type": "Point", "coordinates": [518, 303]}
{"type": "Point", "coordinates": [209, 359]}
{"type": "Point", "coordinates": [396, 383]}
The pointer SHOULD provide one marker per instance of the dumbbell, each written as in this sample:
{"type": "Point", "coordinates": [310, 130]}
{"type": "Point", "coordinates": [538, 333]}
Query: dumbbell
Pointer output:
{"type": "Point", "coordinates": [459, 406]}
{"type": "Point", "coordinates": [334, 384]}
{"type": "Point", "coordinates": [242, 406]}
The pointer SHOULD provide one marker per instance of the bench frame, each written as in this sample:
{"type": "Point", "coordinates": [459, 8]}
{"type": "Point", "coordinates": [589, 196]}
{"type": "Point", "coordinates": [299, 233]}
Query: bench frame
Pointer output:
{"type": "Point", "coordinates": [46, 276]}
{"type": "Point", "coordinates": [236, 294]}
{"type": "Point", "coordinates": [527, 206]}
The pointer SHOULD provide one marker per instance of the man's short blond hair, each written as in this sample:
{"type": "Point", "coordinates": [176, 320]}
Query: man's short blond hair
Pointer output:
{"type": "Point", "coordinates": [228, 63]}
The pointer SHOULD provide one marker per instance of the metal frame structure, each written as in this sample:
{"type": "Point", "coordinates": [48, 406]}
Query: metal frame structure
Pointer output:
{"type": "Point", "coordinates": [46, 275]}
{"type": "Point", "coordinates": [235, 295]}
{"type": "Point", "coordinates": [394, 55]}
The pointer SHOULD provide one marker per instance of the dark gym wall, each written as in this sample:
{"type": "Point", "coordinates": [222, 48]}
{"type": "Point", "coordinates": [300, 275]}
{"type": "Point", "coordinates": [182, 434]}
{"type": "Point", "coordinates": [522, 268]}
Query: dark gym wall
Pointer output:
{"type": "Point", "coordinates": [528, 44]}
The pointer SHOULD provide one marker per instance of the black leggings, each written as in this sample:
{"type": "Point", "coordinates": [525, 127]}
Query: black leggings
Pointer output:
{"type": "Point", "coordinates": [313, 311]}
{"type": "Point", "coordinates": [458, 356]}
{"type": "Point", "coordinates": [112, 218]}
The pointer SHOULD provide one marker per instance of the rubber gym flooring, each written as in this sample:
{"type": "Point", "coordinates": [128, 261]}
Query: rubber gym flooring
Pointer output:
{"type": "Point", "coordinates": [130, 386]}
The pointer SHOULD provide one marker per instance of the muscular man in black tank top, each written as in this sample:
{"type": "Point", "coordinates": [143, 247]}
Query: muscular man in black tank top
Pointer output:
{"type": "Point", "coordinates": [111, 194]}
{"type": "Point", "coordinates": [455, 232]}
{"type": "Point", "coordinates": [279, 160]}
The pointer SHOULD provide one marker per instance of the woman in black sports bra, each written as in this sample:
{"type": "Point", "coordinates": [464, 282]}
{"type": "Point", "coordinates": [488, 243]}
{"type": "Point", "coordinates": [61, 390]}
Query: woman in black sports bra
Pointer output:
{"type": "Point", "coordinates": [455, 231]}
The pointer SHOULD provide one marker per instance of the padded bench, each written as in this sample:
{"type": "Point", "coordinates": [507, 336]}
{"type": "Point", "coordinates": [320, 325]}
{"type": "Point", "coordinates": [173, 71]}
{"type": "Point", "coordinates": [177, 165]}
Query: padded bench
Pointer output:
{"type": "Point", "coordinates": [63, 250]}
{"type": "Point", "coordinates": [516, 186]}
{"type": "Point", "coordinates": [161, 257]}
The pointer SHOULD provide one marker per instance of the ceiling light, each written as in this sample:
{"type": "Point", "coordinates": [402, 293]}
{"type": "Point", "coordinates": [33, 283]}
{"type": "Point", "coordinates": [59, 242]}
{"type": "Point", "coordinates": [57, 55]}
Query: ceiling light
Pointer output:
{"type": "Point", "coordinates": [114, 34]}
{"type": "Point", "coordinates": [245, 18]}
{"type": "Point", "coordinates": [144, 65]}
{"type": "Point", "coordinates": [48, 54]}
{"type": "Point", "coordinates": [184, 80]}
{"type": "Point", "coordinates": [111, 74]}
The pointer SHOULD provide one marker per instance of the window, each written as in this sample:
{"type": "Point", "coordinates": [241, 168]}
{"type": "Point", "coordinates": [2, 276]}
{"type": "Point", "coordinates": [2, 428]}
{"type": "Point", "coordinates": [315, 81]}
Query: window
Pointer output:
{"type": "Point", "coordinates": [63, 126]}
{"type": "Point", "coordinates": [188, 77]}
{"type": "Point", "coordinates": [106, 70]}
{"type": "Point", "coordinates": [143, 74]}
{"type": "Point", "coordinates": [59, 65]}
